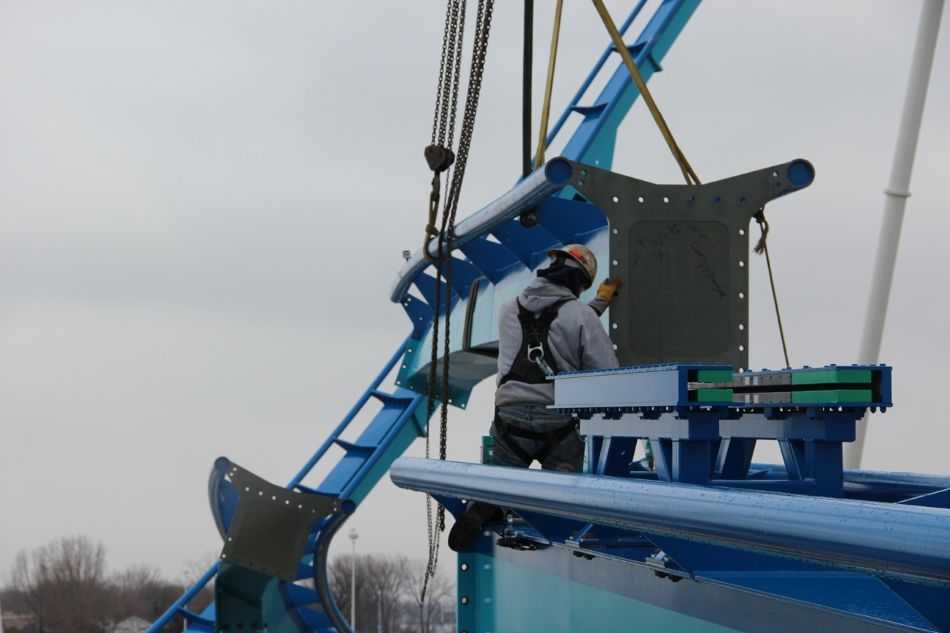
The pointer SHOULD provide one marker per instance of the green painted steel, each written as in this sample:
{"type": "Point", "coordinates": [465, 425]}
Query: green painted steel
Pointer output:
{"type": "Point", "coordinates": [714, 375]}
{"type": "Point", "coordinates": [714, 395]}
{"type": "Point", "coordinates": [831, 396]}
{"type": "Point", "coordinates": [831, 376]}
{"type": "Point", "coordinates": [509, 598]}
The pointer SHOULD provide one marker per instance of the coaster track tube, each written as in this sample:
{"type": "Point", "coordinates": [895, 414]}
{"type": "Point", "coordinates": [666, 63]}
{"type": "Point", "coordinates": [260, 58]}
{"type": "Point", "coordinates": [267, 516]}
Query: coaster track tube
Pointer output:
{"type": "Point", "coordinates": [596, 134]}
{"type": "Point", "coordinates": [895, 541]}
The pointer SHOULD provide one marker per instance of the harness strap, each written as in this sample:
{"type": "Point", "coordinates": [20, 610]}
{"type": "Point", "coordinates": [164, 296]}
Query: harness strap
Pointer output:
{"type": "Point", "coordinates": [526, 367]}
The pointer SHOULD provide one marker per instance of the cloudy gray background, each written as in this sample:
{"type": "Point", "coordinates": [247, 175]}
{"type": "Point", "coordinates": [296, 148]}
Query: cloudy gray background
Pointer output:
{"type": "Point", "coordinates": [203, 206]}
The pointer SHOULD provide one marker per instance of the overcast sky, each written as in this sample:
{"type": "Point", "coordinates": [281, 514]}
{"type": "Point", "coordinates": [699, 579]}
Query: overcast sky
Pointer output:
{"type": "Point", "coordinates": [203, 206]}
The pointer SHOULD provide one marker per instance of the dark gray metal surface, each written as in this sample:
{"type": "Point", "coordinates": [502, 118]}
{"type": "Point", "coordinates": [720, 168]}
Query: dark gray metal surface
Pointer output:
{"type": "Point", "coordinates": [683, 253]}
{"type": "Point", "coordinates": [271, 525]}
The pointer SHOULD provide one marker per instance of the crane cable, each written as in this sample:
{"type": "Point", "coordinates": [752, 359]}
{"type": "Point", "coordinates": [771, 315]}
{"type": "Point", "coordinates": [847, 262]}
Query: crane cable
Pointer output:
{"type": "Point", "coordinates": [688, 173]}
{"type": "Point", "coordinates": [443, 259]}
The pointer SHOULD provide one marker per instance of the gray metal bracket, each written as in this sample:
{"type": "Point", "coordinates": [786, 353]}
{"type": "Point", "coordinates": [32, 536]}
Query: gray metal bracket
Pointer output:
{"type": "Point", "coordinates": [683, 253]}
{"type": "Point", "coordinates": [271, 524]}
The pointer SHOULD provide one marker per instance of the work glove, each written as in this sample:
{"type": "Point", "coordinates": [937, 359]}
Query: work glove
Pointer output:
{"type": "Point", "coordinates": [608, 288]}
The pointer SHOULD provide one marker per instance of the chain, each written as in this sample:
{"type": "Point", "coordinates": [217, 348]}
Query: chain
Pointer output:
{"type": "Point", "coordinates": [444, 260]}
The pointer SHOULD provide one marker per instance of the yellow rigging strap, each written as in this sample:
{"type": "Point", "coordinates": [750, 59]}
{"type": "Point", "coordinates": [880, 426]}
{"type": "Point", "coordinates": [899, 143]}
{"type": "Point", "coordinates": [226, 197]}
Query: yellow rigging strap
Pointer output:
{"type": "Point", "coordinates": [546, 109]}
{"type": "Point", "coordinates": [685, 167]}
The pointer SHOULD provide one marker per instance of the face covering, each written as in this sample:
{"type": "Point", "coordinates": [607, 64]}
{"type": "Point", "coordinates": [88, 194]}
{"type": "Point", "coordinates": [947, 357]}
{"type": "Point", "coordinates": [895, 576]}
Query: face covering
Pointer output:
{"type": "Point", "coordinates": [574, 279]}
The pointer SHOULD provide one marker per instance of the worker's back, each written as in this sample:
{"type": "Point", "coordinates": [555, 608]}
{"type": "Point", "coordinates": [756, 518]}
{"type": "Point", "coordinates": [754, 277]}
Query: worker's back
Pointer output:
{"type": "Point", "coordinates": [576, 338]}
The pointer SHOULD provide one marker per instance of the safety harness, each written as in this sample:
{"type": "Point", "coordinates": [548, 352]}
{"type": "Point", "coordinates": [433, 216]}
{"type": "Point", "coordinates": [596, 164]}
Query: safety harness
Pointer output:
{"type": "Point", "coordinates": [533, 364]}
{"type": "Point", "coordinates": [534, 361]}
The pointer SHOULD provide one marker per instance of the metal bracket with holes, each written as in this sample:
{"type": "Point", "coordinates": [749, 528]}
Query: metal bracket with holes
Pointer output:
{"type": "Point", "coordinates": [682, 252]}
{"type": "Point", "coordinates": [271, 524]}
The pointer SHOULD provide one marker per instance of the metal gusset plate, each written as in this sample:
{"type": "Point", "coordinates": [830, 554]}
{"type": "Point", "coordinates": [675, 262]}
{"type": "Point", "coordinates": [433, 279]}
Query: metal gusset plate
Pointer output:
{"type": "Point", "coordinates": [271, 524]}
{"type": "Point", "coordinates": [683, 253]}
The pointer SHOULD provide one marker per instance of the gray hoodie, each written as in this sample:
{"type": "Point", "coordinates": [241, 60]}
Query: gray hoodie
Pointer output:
{"type": "Point", "coordinates": [577, 340]}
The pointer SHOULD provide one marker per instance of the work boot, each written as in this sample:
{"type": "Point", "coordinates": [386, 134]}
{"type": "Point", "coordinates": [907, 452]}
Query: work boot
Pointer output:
{"type": "Point", "coordinates": [464, 533]}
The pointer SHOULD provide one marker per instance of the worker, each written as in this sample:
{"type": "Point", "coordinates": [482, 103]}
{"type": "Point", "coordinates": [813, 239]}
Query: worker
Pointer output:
{"type": "Point", "coordinates": [544, 331]}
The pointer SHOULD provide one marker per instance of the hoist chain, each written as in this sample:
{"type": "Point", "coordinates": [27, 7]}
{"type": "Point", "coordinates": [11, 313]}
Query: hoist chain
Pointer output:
{"type": "Point", "coordinates": [443, 259]}
{"type": "Point", "coordinates": [438, 154]}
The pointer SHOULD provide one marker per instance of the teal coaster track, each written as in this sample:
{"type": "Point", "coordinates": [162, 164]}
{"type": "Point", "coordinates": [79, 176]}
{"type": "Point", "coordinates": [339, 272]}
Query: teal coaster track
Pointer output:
{"type": "Point", "coordinates": [704, 431]}
{"type": "Point", "coordinates": [287, 606]}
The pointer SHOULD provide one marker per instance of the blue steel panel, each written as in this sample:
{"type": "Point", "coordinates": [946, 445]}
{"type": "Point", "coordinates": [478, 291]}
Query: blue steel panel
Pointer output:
{"type": "Point", "coordinates": [463, 274]}
{"type": "Point", "coordinates": [640, 386]}
{"type": "Point", "coordinates": [494, 260]}
{"type": "Point", "coordinates": [420, 314]}
{"type": "Point", "coordinates": [530, 245]}
{"type": "Point", "coordinates": [426, 285]}
{"type": "Point", "coordinates": [537, 589]}
{"type": "Point", "coordinates": [858, 594]}
{"type": "Point", "coordinates": [571, 221]}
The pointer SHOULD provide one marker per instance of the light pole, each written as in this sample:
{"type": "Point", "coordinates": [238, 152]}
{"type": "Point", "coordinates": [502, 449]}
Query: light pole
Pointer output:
{"type": "Point", "coordinates": [353, 536]}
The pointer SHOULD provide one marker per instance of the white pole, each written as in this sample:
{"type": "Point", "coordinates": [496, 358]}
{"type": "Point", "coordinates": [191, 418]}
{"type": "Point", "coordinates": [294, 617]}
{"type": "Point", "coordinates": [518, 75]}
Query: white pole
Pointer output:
{"type": "Point", "coordinates": [896, 194]}
{"type": "Point", "coordinates": [353, 536]}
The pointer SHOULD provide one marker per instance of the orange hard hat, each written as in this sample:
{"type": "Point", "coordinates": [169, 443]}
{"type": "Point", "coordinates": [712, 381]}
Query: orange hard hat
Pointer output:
{"type": "Point", "coordinates": [580, 254]}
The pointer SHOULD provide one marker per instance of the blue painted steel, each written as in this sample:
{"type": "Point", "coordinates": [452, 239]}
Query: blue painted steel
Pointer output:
{"type": "Point", "coordinates": [530, 592]}
{"type": "Point", "coordinates": [522, 197]}
{"type": "Point", "coordinates": [625, 388]}
{"type": "Point", "coordinates": [365, 461]}
{"type": "Point", "coordinates": [351, 414]}
{"type": "Point", "coordinates": [594, 140]}
{"type": "Point", "coordinates": [574, 106]}
{"type": "Point", "coordinates": [906, 542]}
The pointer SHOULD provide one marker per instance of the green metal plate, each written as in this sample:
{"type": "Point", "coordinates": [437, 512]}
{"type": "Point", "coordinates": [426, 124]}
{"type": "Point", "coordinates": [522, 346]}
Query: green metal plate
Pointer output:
{"type": "Point", "coordinates": [714, 395]}
{"type": "Point", "coordinates": [832, 376]}
{"type": "Point", "coordinates": [714, 375]}
{"type": "Point", "coordinates": [832, 396]}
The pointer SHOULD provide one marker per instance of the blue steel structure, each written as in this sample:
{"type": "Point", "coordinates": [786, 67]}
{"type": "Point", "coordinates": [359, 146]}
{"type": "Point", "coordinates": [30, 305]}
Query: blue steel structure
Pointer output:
{"type": "Point", "coordinates": [703, 540]}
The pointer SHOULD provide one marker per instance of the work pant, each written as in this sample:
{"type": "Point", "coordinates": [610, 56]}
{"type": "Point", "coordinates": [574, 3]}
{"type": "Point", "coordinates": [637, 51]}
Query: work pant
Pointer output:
{"type": "Point", "coordinates": [532, 432]}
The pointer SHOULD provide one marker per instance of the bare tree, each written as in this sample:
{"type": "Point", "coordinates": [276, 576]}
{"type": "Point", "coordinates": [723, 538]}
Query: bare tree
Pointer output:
{"type": "Point", "coordinates": [439, 591]}
{"type": "Point", "coordinates": [63, 584]}
{"type": "Point", "coordinates": [194, 569]}
{"type": "Point", "coordinates": [141, 590]}
{"type": "Point", "coordinates": [380, 584]}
